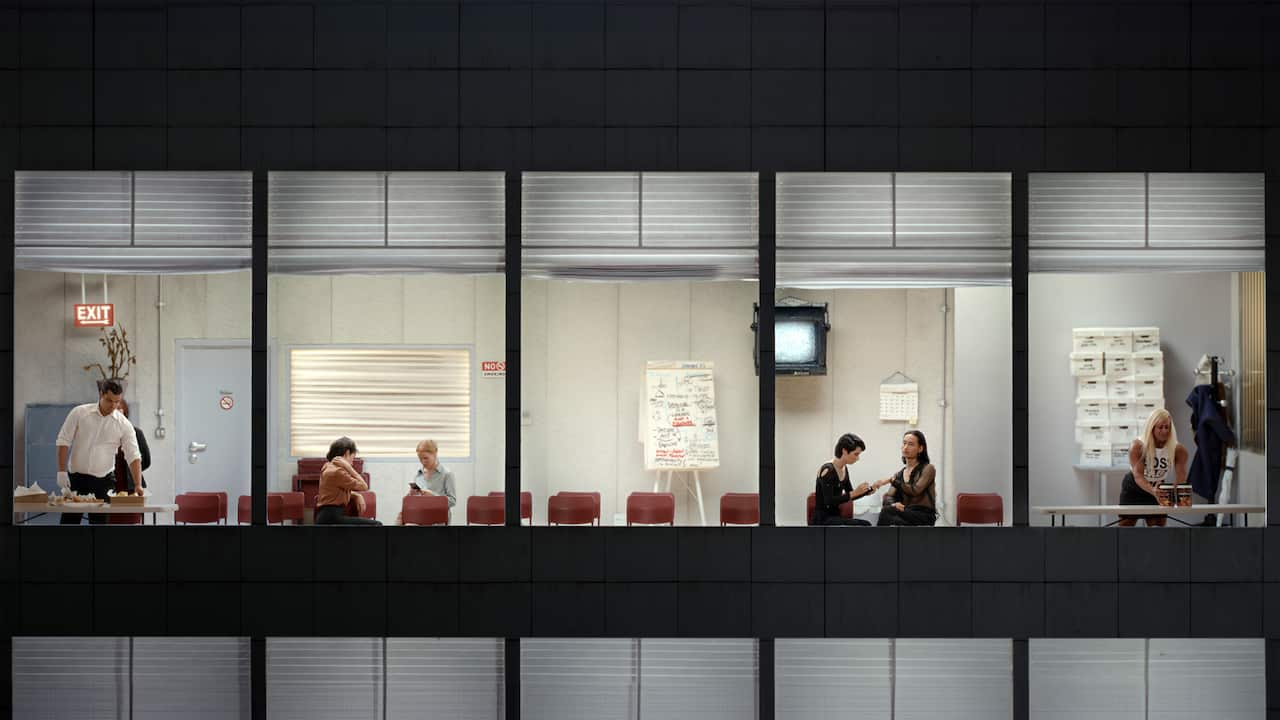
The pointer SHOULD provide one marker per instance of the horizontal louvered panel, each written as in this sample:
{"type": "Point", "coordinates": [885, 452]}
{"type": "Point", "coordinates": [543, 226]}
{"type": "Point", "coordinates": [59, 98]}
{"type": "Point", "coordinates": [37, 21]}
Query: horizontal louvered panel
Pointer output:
{"type": "Point", "coordinates": [200, 209]}
{"type": "Point", "coordinates": [391, 398]}
{"type": "Point", "coordinates": [324, 678]}
{"type": "Point", "coordinates": [823, 678]}
{"type": "Point", "coordinates": [956, 679]}
{"type": "Point", "coordinates": [313, 209]}
{"type": "Point", "coordinates": [1087, 679]}
{"type": "Point", "coordinates": [1224, 679]}
{"type": "Point", "coordinates": [704, 679]}
{"type": "Point", "coordinates": [835, 210]}
{"type": "Point", "coordinates": [71, 677]}
{"type": "Point", "coordinates": [892, 267]}
{"type": "Point", "coordinates": [74, 209]}
{"type": "Point", "coordinates": [640, 264]}
{"type": "Point", "coordinates": [1207, 210]}
{"type": "Point", "coordinates": [953, 210]}
{"type": "Point", "coordinates": [445, 679]}
{"type": "Point", "coordinates": [699, 210]}
{"type": "Point", "coordinates": [202, 678]}
{"type": "Point", "coordinates": [578, 678]}
{"type": "Point", "coordinates": [1146, 260]}
{"type": "Point", "coordinates": [134, 260]}
{"type": "Point", "coordinates": [452, 209]}
{"type": "Point", "coordinates": [379, 260]}
{"type": "Point", "coordinates": [1087, 210]}
{"type": "Point", "coordinates": [580, 209]}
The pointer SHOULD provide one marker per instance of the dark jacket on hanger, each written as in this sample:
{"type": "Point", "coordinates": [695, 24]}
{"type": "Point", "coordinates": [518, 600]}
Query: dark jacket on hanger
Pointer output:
{"type": "Point", "coordinates": [1212, 437]}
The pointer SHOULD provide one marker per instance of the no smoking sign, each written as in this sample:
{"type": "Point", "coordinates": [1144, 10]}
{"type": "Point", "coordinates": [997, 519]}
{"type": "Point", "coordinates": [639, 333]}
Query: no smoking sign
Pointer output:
{"type": "Point", "coordinates": [226, 402]}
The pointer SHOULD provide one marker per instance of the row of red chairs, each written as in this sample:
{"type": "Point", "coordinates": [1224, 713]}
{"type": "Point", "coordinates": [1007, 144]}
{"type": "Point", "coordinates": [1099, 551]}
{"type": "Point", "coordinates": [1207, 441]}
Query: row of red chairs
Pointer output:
{"type": "Point", "coordinates": [211, 507]}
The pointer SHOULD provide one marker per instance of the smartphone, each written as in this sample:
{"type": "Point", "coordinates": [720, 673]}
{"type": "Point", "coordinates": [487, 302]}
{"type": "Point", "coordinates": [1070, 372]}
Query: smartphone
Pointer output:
{"type": "Point", "coordinates": [414, 485]}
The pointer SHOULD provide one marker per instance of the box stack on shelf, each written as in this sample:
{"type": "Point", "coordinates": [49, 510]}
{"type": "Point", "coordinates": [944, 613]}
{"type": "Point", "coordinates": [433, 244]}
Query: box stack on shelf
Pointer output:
{"type": "Point", "coordinates": [1119, 381]}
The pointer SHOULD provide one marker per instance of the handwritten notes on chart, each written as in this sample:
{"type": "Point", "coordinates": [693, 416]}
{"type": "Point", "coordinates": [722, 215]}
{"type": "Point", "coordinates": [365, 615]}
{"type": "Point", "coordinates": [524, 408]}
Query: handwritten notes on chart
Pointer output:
{"type": "Point", "coordinates": [680, 413]}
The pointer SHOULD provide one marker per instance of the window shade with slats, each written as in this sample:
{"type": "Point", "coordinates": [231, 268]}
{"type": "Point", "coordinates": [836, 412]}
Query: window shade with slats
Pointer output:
{"type": "Point", "coordinates": [1189, 679]}
{"type": "Point", "coordinates": [640, 226]}
{"type": "Point", "coordinates": [893, 229]}
{"type": "Point", "coordinates": [445, 679]}
{"type": "Point", "coordinates": [959, 679]}
{"type": "Point", "coordinates": [579, 678]}
{"type": "Point", "coordinates": [378, 222]}
{"type": "Point", "coordinates": [1161, 222]}
{"type": "Point", "coordinates": [704, 679]}
{"type": "Point", "coordinates": [823, 679]}
{"type": "Point", "coordinates": [1093, 679]}
{"type": "Point", "coordinates": [71, 677]}
{"type": "Point", "coordinates": [324, 678]}
{"type": "Point", "coordinates": [386, 399]}
{"type": "Point", "coordinates": [136, 223]}
{"type": "Point", "coordinates": [201, 678]}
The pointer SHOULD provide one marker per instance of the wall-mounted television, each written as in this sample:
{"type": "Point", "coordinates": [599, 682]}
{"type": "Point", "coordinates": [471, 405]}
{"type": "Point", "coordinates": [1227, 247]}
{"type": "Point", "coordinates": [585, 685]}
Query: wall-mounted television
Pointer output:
{"type": "Point", "coordinates": [799, 339]}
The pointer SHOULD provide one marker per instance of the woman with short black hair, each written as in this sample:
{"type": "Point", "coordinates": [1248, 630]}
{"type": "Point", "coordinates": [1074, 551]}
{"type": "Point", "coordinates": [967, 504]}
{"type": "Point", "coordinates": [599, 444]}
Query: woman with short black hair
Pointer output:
{"type": "Point", "coordinates": [833, 488]}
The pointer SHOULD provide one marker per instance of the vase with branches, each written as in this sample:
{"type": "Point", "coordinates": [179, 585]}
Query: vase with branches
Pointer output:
{"type": "Point", "coordinates": [120, 357]}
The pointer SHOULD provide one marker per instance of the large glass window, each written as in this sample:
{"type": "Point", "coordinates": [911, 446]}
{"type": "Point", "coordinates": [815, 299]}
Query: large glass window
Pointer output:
{"type": "Point", "coordinates": [637, 346]}
{"type": "Point", "coordinates": [1140, 307]}
{"type": "Point", "coordinates": [893, 316]}
{"type": "Point", "coordinates": [140, 279]}
{"type": "Point", "coordinates": [386, 312]}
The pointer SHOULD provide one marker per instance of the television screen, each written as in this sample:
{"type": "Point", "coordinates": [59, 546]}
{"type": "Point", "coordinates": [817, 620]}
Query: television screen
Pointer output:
{"type": "Point", "coordinates": [799, 340]}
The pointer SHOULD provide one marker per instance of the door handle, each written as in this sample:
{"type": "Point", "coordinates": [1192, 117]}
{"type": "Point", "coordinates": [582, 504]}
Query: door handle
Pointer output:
{"type": "Point", "coordinates": [194, 449]}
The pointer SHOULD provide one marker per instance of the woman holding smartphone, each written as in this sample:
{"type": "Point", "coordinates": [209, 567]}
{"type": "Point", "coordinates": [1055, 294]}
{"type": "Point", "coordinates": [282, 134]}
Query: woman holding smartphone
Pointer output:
{"type": "Point", "coordinates": [433, 478]}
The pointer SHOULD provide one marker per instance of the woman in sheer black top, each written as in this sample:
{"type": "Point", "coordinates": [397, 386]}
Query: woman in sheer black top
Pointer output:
{"type": "Point", "coordinates": [833, 488]}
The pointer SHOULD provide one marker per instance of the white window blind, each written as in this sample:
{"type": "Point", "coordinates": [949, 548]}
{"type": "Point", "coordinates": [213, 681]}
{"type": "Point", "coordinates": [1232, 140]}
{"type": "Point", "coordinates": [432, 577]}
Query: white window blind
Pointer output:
{"type": "Point", "coordinates": [959, 679]}
{"type": "Point", "coordinates": [66, 677]}
{"type": "Point", "coordinates": [1087, 679]}
{"type": "Point", "coordinates": [386, 399]}
{"type": "Point", "coordinates": [1134, 222]}
{"type": "Point", "coordinates": [202, 678]}
{"type": "Point", "coordinates": [588, 678]}
{"type": "Point", "coordinates": [445, 679]}
{"type": "Point", "coordinates": [380, 222]}
{"type": "Point", "coordinates": [145, 222]}
{"type": "Point", "coordinates": [1192, 678]}
{"type": "Point", "coordinates": [832, 679]}
{"type": "Point", "coordinates": [893, 229]}
{"type": "Point", "coordinates": [704, 679]}
{"type": "Point", "coordinates": [640, 226]}
{"type": "Point", "coordinates": [325, 678]}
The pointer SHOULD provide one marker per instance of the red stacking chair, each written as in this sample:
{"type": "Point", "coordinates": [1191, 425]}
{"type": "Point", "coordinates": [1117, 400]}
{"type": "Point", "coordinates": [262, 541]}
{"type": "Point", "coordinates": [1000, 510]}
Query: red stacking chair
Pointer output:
{"type": "Point", "coordinates": [647, 508]}
{"type": "Point", "coordinates": [370, 504]}
{"type": "Point", "coordinates": [979, 509]}
{"type": "Point", "coordinates": [595, 497]}
{"type": "Point", "coordinates": [526, 504]}
{"type": "Point", "coordinates": [222, 502]}
{"type": "Point", "coordinates": [739, 509]}
{"type": "Point", "coordinates": [294, 502]}
{"type": "Point", "coordinates": [486, 510]}
{"type": "Point", "coordinates": [197, 508]}
{"type": "Point", "coordinates": [425, 510]}
{"type": "Point", "coordinates": [275, 510]}
{"type": "Point", "coordinates": [571, 509]}
{"type": "Point", "coordinates": [846, 509]}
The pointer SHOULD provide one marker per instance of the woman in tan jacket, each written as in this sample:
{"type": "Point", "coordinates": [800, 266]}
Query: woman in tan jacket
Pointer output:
{"type": "Point", "coordinates": [339, 484]}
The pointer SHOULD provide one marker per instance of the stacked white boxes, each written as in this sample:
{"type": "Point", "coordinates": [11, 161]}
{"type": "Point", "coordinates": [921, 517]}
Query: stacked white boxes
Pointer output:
{"type": "Point", "coordinates": [1119, 381]}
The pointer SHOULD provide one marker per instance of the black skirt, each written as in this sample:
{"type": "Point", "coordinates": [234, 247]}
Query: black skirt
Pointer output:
{"type": "Point", "coordinates": [1131, 494]}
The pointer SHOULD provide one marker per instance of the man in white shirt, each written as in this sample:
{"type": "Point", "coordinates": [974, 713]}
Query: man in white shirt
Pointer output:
{"type": "Point", "coordinates": [91, 435]}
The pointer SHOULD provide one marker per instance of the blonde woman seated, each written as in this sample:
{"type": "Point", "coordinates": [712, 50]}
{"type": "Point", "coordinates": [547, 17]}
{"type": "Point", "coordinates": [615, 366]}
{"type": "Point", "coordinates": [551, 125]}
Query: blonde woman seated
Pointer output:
{"type": "Point", "coordinates": [1150, 459]}
{"type": "Point", "coordinates": [432, 478]}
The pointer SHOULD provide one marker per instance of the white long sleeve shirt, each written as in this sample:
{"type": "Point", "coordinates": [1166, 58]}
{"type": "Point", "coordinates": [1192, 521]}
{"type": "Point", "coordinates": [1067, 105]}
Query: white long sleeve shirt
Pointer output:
{"type": "Point", "coordinates": [94, 439]}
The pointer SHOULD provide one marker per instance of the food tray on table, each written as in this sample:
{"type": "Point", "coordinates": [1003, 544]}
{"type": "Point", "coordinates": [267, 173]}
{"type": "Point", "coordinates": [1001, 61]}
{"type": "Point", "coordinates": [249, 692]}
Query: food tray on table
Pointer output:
{"type": "Point", "coordinates": [82, 502]}
{"type": "Point", "coordinates": [127, 500]}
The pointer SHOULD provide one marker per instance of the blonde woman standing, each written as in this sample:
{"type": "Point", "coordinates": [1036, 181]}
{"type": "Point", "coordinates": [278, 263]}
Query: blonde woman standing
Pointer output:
{"type": "Point", "coordinates": [1151, 458]}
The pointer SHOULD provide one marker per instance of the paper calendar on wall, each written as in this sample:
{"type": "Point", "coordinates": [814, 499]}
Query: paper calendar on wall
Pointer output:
{"type": "Point", "coordinates": [899, 401]}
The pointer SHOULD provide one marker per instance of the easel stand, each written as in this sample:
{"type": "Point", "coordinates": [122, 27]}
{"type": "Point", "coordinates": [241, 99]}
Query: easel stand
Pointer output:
{"type": "Point", "coordinates": [694, 488]}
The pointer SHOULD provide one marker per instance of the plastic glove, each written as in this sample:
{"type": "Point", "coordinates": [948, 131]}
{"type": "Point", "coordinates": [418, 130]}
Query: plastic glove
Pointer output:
{"type": "Point", "coordinates": [64, 481]}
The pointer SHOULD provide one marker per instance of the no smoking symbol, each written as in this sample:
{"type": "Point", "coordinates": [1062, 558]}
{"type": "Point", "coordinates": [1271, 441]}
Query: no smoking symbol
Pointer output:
{"type": "Point", "coordinates": [226, 402]}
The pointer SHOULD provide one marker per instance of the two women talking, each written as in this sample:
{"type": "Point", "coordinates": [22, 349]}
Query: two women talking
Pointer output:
{"type": "Point", "coordinates": [912, 501]}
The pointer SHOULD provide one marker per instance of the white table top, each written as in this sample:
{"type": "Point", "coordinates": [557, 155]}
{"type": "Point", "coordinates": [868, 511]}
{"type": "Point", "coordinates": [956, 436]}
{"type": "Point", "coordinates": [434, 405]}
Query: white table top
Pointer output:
{"type": "Point", "coordinates": [1102, 468]}
{"type": "Point", "coordinates": [104, 509]}
{"type": "Point", "coordinates": [1145, 509]}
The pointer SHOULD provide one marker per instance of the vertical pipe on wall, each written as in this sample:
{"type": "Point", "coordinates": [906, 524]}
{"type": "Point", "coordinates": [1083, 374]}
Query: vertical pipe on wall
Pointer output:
{"type": "Point", "coordinates": [768, 251]}
{"type": "Point", "coordinates": [1021, 501]}
{"type": "Point", "coordinates": [511, 484]}
{"type": "Point", "coordinates": [260, 335]}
